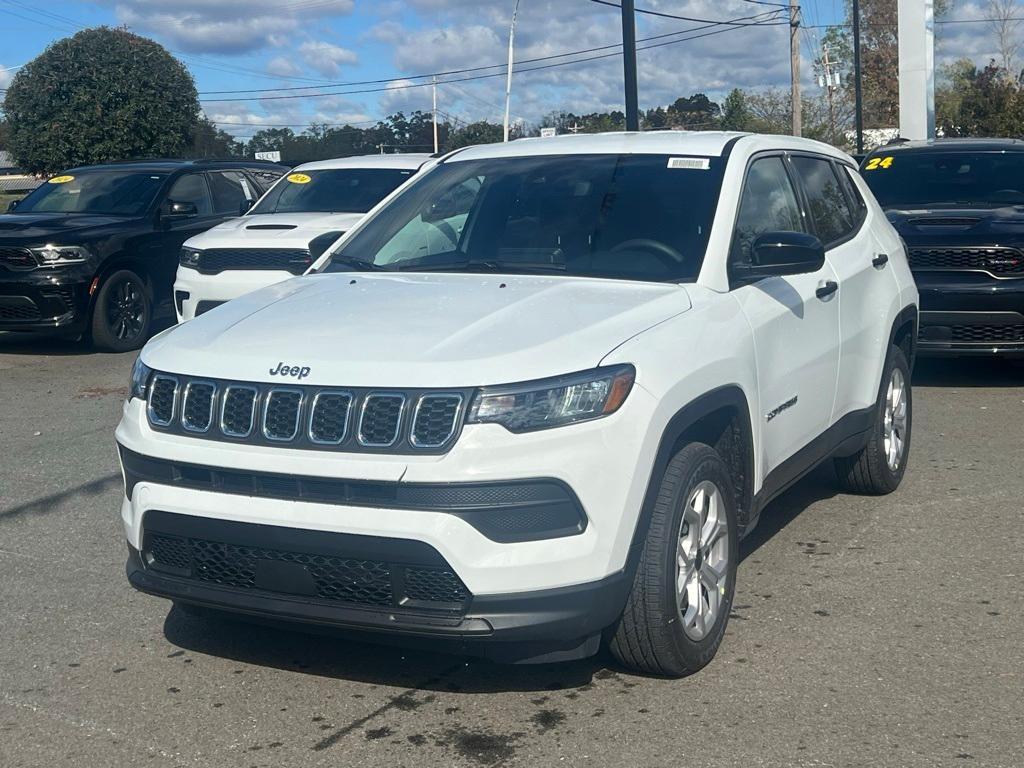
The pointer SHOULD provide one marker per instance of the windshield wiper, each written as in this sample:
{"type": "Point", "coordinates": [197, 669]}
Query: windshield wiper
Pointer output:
{"type": "Point", "coordinates": [351, 261]}
{"type": "Point", "coordinates": [486, 266]}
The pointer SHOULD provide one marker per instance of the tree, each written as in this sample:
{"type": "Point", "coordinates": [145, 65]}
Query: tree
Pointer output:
{"type": "Point", "coordinates": [736, 114]}
{"type": "Point", "coordinates": [481, 132]}
{"type": "Point", "coordinates": [1003, 18]}
{"type": "Point", "coordinates": [103, 94]}
{"type": "Point", "coordinates": [979, 102]}
{"type": "Point", "coordinates": [210, 141]}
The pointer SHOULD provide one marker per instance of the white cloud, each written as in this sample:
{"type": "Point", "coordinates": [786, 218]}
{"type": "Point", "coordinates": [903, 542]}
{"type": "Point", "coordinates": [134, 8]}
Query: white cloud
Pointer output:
{"type": "Point", "coordinates": [326, 58]}
{"type": "Point", "coordinates": [282, 66]}
{"type": "Point", "coordinates": [6, 76]}
{"type": "Point", "coordinates": [224, 26]}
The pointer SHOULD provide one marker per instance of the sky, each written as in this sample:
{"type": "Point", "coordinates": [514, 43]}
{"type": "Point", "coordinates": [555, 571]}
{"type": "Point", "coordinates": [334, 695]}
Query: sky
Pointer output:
{"type": "Point", "coordinates": [295, 57]}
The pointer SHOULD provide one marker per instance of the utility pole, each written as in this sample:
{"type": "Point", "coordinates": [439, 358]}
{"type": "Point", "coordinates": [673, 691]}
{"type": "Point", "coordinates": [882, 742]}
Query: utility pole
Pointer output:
{"type": "Point", "coordinates": [629, 65]}
{"type": "Point", "coordinates": [794, 67]}
{"type": "Point", "coordinates": [508, 77]}
{"type": "Point", "coordinates": [858, 98]}
{"type": "Point", "coordinates": [831, 82]}
{"type": "Point", "coordinates": [434, 89]}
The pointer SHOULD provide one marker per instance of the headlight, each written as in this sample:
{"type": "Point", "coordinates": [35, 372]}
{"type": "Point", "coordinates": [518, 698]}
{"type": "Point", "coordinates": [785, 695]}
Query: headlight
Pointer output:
{"type": "Point", "coordinates": [554, 402]}
{"type": "Point", "coordinates": [189, 257]}
{"type": "Point", "coordinates": [140, 379]}
{"type": "Point", "coordinates": [58, 255]}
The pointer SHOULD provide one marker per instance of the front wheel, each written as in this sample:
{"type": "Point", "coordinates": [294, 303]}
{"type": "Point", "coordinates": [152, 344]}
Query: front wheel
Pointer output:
{"type": "Point", "coordinates": [682, 593]}
{"type": "Point", "coordinates": [122, 315]}
{"type": "Point", "coordinates": [878, 467]}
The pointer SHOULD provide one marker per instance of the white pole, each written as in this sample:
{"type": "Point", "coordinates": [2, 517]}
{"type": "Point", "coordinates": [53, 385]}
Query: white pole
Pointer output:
{"type": "Point", "coordinates": [508, 78]}
{"type": "Point", "coordinates": [916, 50]}
{"type": "Point", "coordinates": [435, 115]}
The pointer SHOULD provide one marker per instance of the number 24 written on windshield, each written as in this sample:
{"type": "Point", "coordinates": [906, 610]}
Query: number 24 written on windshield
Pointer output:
{"type": "Point", "coordinates": [878, 162]}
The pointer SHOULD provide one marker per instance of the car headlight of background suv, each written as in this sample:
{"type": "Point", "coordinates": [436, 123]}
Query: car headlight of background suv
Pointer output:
{"type": "Point", "coordinates": [189, 257]}
{"type": "Point", "coordinates": [140, 379]}
{"type": "Point", "coordinates": [59, 255]}
{"type": "Point", "coordinates": [554, 402]}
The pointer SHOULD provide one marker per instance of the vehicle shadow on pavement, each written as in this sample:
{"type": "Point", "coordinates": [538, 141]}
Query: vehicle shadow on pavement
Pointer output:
{"type": "Point", "coordinates": [55, 345]}
{"type": "Point", "coordinates": [335, 655]}
{"type": "Point", "coordinates": [968, 372]}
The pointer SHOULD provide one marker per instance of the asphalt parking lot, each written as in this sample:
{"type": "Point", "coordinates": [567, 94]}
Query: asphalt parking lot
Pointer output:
{"type": "Point", "coordinates": [867, 632]}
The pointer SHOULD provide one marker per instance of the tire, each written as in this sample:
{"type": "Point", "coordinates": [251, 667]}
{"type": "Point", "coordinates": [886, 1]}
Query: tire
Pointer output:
{"type": "Point", "coordinates": [658, 633]}
{"type": "Point", "coordinates": [123, 313]}
{"type": "Point", "coordinates": [878, 467]}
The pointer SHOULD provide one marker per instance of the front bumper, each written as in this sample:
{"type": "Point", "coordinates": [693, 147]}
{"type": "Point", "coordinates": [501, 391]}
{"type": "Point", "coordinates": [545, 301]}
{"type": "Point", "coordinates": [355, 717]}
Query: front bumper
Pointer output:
{"type": "Point", "coordinates": [191, 288]}
{"type": "Point", "coordinates": [45, 299]}
{"type": "Point", "coordinates": [970, 313]}
{"type": "Point", "coordinates": [399, 587]}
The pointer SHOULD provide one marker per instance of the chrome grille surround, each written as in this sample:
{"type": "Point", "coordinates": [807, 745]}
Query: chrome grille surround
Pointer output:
{"type": "Point", "coordinates": [282, 406]}
{"type": "Point", "coordinates": [320, 418]}
{"type": "Point", "coordinates": [228, 401]}
{"type": "Point", "coordinates": [432, 428]}
{"type": "Point", "coordinates": [192, 399]}
{"type": "Point", "coordinates": [157, 393]}
{"type": "Point", "coordinates": [380, 407]}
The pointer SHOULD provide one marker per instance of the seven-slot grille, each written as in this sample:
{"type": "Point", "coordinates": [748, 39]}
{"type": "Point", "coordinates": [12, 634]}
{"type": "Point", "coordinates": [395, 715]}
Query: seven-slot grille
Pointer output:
{"type": "Point", "coordinates": [214, 260]}
{"type": "Point", "coordinates": [998, 261]}
{"type": "Point", "coordinates": [307, 417]}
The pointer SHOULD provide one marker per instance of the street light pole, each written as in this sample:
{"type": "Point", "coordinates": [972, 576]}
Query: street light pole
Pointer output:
{"type": "Point", "coordinates": [629, 64]}
{"type": "Point", "coordinates": [508, 77]}
{"type": "Point", "coordinates": [858, 98]}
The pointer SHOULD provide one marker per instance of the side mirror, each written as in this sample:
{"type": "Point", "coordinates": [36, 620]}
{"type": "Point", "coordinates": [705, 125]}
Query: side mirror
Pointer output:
{"type": "Point", "coordinates": [12, 205]}
{"type": "Point", "coordinates": [774, 254]}
{"type": "Point", "coordinates": [244, 206]}
{"type": "Point", "coordinates": [181, 210]}
{"type": "Point", "coordinates": [321, 243]}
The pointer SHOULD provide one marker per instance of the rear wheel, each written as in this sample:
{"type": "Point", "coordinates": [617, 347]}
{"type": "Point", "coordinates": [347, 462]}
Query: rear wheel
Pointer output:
{"type": "Point", "coordinates": [123, 313]}
{"type": "Point", "coordinates": [682, 593]}
{"type": "Point", "coordinates": [879, 466]}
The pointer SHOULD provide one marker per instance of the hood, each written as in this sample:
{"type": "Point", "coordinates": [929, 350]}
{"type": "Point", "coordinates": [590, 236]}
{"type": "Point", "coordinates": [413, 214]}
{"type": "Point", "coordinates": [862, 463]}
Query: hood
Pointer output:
{"type": "Point", "coordinates": [416, 330]}
{"type": "Point", "coordinates": [274, 230]}
{"type": "Point", "coordinates": [959, 225]}
{"type": "Point", "coordinates": [50, 227]}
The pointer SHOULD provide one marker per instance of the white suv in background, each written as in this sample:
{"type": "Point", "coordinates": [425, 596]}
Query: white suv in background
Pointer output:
{"type": "Point", "coordinates": [286, 230]}
{"type": "Point", "coordinates": [532, 402]}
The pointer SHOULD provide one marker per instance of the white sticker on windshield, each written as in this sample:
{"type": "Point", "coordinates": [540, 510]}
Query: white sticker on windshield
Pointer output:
{"type": "Point", "coordinates": [691, 163]}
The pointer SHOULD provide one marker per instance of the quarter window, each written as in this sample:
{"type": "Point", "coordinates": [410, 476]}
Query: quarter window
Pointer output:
{"type": "Point", "coordinates": [768, 204]}
{"type": "Point", "coordinates": [828, 206]}
{"type": "Point", "coordinates": [230, 188]}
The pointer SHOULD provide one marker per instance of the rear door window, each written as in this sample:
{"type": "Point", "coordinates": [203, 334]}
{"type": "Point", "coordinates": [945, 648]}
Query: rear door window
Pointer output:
{"type": "Point", "coordinates": [828, 205]}
{"type": "Point", "coordinates": [192, 188]}
{"type": "Point", "coordinates": [230, 189]}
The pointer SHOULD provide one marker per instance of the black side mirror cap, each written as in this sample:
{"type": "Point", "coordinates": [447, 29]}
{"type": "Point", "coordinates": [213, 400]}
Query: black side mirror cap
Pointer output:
{"type": "Point", "coordinates": [12, 205]}
{"type": "Point", "coordinates": [776, 254]}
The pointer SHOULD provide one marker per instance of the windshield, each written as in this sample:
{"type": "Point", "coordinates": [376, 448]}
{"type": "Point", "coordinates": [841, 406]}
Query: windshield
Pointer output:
{"type": "Point", "coordinates": [903, 179]}
{"type": "Point", "coordinates": [639, 217]}
{"type": "Point", "coordinates": [110, 192]}
{"type": "Point", "coordinates": [332, 190]}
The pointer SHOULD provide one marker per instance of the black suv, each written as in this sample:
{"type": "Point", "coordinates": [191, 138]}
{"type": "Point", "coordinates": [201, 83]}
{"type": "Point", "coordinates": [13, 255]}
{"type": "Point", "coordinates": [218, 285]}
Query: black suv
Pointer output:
{"type": "Point", "coordinates": [959, 205]}
{"type": "Point", "coordinates": [94, 250]}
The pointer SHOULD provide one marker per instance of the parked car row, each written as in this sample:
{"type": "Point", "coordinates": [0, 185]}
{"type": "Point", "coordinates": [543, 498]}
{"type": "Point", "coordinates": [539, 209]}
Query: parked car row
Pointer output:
{"type": "Point", "coordinates": [95, 251]}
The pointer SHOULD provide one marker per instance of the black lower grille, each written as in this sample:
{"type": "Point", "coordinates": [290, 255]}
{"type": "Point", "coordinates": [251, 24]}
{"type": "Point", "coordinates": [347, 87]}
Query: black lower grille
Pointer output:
{"type": "Point", "coordinates": [18, 308]}
{"type": "Point", "coordinates": [17, 259]}
{"type": "Point", "coordinates": [350, 580]}
{"type": "Point", "coordinates": [988, 334]}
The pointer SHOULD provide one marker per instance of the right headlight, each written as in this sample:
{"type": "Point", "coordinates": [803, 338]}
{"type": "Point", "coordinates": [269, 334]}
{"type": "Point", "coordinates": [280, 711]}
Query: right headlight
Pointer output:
{"type": "Point", "coordinates": [189, 257]}
{"type": "Point", "coordinates": [554, 402]}
{"type": "Point", "coordinates": [140, 379]}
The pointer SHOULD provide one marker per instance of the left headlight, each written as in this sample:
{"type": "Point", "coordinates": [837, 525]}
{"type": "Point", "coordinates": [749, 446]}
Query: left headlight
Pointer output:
{"type": "Point", "coordinates": [190, 257]}
{"type": "Point", "coordinates": [58, 255]}
{"type": "Point", "coordinates": [554, 402]}
{"type": "Point", "coordinates": [140, 379]}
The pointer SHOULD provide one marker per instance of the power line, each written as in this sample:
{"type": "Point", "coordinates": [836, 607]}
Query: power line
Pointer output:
{"type": "Point", "coordinates": [664, 15]}
{"type": "Point", "coordinates": [470, 78]}
{"type": "Point", "coordinates": [464, 70]}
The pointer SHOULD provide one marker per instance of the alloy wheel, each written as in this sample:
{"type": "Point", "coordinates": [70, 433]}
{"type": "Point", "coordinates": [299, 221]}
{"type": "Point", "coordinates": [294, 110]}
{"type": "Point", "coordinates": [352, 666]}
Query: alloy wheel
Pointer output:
{"type": "Point", "coordinates": [702, 560]}
{"type": "Point", "coordinates": [126, 310]}
{"type": "Point", "coordinates": [894, 428]}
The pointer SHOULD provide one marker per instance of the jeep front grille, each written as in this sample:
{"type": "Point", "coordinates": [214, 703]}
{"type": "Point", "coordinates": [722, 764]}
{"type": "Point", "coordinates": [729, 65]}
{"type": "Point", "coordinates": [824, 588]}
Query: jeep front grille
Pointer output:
{"type": "Point", "coordinates": [997, 261]}
{"type": "Point", "coordinates": [315, 418]}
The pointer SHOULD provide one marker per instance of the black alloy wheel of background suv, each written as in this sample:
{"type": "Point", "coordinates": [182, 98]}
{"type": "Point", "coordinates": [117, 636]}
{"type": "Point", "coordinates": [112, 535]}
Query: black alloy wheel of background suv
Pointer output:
{"type": "Point", "coordinates": [958, 204]}
{"type": "Point", "coordinates": [94, 250]}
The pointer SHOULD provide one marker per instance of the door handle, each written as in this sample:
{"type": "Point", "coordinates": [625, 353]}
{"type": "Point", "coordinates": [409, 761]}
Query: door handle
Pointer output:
{"type": "Point", "coordinates": [880, 260]}
{"type": "Point", "coordinates": [826, 290]}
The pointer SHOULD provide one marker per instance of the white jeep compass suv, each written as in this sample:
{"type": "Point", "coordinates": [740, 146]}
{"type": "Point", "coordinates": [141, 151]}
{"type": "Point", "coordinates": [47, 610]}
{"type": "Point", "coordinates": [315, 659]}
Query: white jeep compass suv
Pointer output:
{"type": "Point", "coordinates": [298, 219]}
{"type": "Point", "coordinates": [533, 402]}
